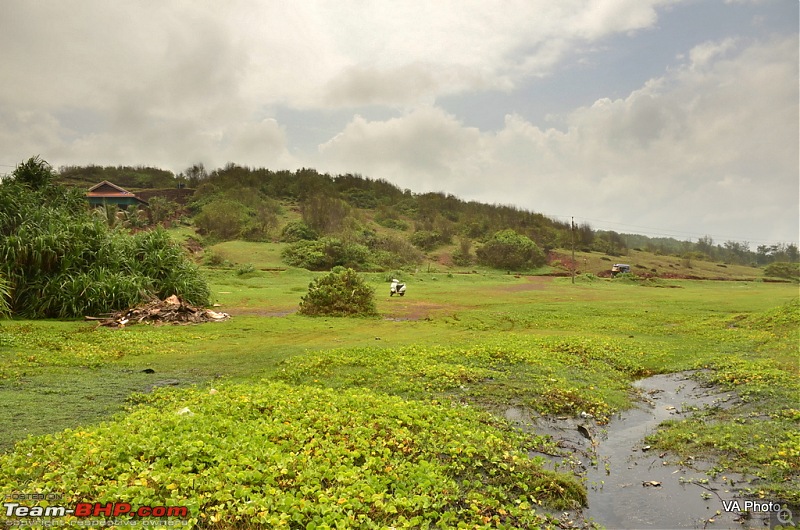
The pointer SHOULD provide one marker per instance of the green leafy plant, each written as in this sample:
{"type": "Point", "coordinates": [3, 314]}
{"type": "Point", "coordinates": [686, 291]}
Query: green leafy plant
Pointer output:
{"type": "Point", "coordinates": [61, 261]}
{"type": "Point", "coordinates": [509, 250]}
{"type": "Point", "coordinates": [34, 173]}
{"type": "Point", "coordinates": [326, 253]}
{"type": "Point", "coordinates": [341, 292]}
{"type": "Point", "coordinates": [5, 308]}
{"type": "Point", "coordinates": [268, 455]}
{"type": "Point", "coordinates": [295, 231]}
{"type": "Point", "coordinates": [783, 270]}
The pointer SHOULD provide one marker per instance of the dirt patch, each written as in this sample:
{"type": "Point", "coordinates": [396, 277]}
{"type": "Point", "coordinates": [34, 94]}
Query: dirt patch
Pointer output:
{"type": "Point", "coordinates": [414, 310]}
{"type": "Point", "coordinates": [261, 312]}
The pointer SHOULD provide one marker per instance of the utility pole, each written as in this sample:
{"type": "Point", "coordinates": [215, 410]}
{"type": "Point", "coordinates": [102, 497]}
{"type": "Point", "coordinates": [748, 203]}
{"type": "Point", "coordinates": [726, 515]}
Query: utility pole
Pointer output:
{"type": "Point", "coordinates": [573, 248]}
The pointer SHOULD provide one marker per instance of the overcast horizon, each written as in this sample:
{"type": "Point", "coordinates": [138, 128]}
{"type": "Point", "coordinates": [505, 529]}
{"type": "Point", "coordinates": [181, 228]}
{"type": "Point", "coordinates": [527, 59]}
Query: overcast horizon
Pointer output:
{"type": "Point", "coordinates": [667, 118]}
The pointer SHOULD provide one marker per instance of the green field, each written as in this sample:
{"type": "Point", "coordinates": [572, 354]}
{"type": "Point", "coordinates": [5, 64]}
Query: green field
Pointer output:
{"type": "Point", "coordinates": [319, 422]}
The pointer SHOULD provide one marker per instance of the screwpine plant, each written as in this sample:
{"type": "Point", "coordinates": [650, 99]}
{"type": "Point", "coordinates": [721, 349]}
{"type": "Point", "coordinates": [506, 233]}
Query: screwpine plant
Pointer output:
{"type": "Point", "coordinates": [271, 455]}
{"type": "Point", "coordinates": [4, 307]}
{"type": "Point", "coordinates": [61, 261]}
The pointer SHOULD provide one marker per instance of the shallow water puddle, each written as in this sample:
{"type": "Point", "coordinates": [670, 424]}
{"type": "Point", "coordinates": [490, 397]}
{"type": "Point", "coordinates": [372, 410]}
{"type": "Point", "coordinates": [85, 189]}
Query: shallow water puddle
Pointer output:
{"type": "Point", "coordinates": [631, 485]}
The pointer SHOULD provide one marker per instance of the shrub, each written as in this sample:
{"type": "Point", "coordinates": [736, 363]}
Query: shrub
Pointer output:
{"type": "Point", "coordinates": [34, 173]}
{"type": "Point", "coordinates": [295, 231]}
{"type": "Point", "coordinates": [783, 270]}
{"type": "Point", "coordinates": [339, 293]}
{"type": "Point", "coordinates": [222, 219]}
{"type": "Point", "coordinates": [5, 309]}
{"type": "Point", "coordinates": [61, 261]}
{"type": "Point", "coordinates": [394, 252]}
{"type": "Point", "coordinates": [326, 253]}
{"type": "Point", "coordinates": [428, 239]}
{"type": "Point", "coordinates": [463, 256]}
{"type": "Point", "coordinates": [161, 209]}
{"type": "Point", "coordinates": [509, 250]}
{"type": "Point", "coordinates": [248, 268]}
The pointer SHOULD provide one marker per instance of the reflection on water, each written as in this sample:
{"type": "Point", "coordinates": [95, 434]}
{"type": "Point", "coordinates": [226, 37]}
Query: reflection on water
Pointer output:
{"type": "Point", "coordinates": [633, 486]}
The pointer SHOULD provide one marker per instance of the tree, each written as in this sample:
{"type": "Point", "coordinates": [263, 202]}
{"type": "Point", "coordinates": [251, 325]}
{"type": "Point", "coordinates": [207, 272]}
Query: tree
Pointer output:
{"type": "Point", "coordinates": [324, 214]}
{"type": "Point", "coordinates": [222, 219]}
{"type": "Point", "coordinates": [509, 250]}
{"type": "Point", "coordinates": [342, 292]}
{"type": "Point", "coordinates": [195, 174]}
{"type": "Point", "coordinates": [161, 209]}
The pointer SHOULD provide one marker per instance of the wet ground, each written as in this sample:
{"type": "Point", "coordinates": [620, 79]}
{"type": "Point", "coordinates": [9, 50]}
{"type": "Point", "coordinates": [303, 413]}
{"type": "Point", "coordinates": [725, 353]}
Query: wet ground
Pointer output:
{"type": "Point", "coordinates": [630, 485]}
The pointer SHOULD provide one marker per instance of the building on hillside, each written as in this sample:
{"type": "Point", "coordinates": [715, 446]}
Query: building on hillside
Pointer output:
{"type": "Point", "coordinates": [108, 193]}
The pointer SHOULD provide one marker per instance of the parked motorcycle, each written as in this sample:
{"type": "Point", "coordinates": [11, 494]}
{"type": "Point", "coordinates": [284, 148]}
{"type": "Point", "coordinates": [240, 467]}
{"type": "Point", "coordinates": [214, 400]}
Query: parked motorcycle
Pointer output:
{"type": "Point", "coordinates": [397, 288]}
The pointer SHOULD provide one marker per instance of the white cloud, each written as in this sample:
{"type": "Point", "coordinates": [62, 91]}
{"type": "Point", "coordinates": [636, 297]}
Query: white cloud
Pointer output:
{"type": "Point", "coordinates": [697, 141]}
{"type": "Point", "coordinates": [180, 82]}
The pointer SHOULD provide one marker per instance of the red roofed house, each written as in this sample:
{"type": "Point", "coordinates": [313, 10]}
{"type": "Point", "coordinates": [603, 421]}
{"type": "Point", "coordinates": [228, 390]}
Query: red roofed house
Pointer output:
{"type": "Point", "coordinates": [108, 193]}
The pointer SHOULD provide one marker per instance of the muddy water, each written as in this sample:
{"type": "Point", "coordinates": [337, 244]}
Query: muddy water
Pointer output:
{"type": "Point", "coordinates": [633, 486]}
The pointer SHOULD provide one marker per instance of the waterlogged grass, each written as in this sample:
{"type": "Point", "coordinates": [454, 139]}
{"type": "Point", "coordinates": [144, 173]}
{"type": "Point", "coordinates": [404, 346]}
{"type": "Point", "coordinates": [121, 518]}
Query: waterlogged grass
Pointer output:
{"type": "Point", "coordinates": [760, 436]}
{"type": "Point", "coordinates": [271, 455]}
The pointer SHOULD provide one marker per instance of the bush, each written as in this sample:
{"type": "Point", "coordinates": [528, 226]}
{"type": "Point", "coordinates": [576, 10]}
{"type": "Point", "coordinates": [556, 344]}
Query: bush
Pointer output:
{"type": "Point", "coordinates": [339, 293]}
{"type": "Point", "coordinates": [463, 256]}
{"type": "Point", "coordinates": [326, 253]}
{"type": "Point", "coordinates": [161, 209]}
{"type": "Point", "coordinates": [248, 268]}
{"type": "Point", "coordinates": [295, 231]}
{"type": "Point", "coordinates": [790, 271]}
{"type": "Point", "coordinates": [34, 173]}
{"type": "Point", "coordinates": [61, 261]}
{"type": "Point", "coordinates": [394, 252]}
{"type": "Point", "coordinates": [509, 250]}
{"type": "Point", "coordinates": [222, 219]}
{"type": "Point", "coordinates": [5, 309]}
{"type": "Point", "coordinates": [428, 239]}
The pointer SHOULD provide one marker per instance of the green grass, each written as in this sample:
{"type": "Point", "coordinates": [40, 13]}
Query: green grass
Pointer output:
{"type": "Point", "coordinates": [482, 341]}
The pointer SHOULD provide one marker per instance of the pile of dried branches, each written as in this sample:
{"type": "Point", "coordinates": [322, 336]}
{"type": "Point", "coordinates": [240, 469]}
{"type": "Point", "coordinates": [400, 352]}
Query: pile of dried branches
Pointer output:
{"type": "Point", "coordinates": [173, 310]}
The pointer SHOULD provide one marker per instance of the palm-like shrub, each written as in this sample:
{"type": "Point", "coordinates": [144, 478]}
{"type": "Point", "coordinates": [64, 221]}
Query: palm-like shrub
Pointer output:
{"type": "Point", "coordinates": [61, 261]}
{"type": "Point", "coordinates": [4, 307]}
{"type": "Point", "coordinates": [342, 292]}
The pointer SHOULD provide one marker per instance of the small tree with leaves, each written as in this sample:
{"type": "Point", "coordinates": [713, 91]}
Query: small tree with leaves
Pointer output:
{"type": "Point", "coordinates": [340, 293]}
{"type": "Point", "coordinates": [509, 250]}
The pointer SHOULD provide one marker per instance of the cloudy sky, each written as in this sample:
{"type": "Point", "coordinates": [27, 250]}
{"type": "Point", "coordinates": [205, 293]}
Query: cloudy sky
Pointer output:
{"type": "Point", "coordinates": [663, 117]}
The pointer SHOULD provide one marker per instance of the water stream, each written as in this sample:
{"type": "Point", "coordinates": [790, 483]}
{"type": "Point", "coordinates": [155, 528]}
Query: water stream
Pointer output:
{"type": "Point", "coordinates": [633, 486]}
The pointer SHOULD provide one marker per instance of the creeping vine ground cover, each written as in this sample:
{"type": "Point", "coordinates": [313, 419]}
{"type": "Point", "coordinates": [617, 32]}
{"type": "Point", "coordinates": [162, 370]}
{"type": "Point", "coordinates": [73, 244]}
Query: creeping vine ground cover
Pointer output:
{"type": "Point", "coordinates": [557, 349]}
{"type": "Point", "coordinates": [547, 374]}
{"type": "Point", "coordinates": [761, 436]}
{"type": "Point", "coordinates": [26, 347]}
{"type": "Point", "coordinates": [271, 455]}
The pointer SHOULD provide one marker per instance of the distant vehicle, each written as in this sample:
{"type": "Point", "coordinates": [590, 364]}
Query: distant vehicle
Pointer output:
{"type": "Point", "coordinates": [620, 268]}
{"type": "Point", "coordinates": [397, 288]}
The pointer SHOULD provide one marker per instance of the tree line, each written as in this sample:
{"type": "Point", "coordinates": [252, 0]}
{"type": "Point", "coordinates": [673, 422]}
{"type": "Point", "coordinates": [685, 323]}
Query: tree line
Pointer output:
{"type": "Point", "coordinates": [242, 202]}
